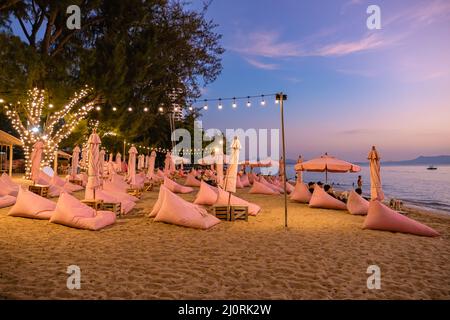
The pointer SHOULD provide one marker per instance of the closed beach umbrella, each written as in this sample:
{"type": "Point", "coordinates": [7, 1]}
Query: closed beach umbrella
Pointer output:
{"type": "Point", "coordinates": [147, 161]}
{"type": "Point", "coordinates": [75, 159]}
{"type": "Point", "coordinates": [119, 161]}
{"type": "Point", "coordinates": [93, 179]}
{"type": "Point", "coordinates": [101, 165]}
{"type": "Point", "coordinates": [219, 167]}
{"type": "Point", "coordinates": [167, 163]}
{"type": "Point", "coordinates": [327, 164]}
{"type": "Point", "coordinates": [36, 156]}
{"type": "Point", "coordinates": [132, 165]}
{"type": "Point", "coordinates": [111, 156]}
{"type": "Point", "coordinates": [84, 156]}
{"type": "Point", "coordinates": [376, 191]}
{"type": "Point", "coordinates": [151, 164]}
{"type": "Point", "coordinates": [299, 173]}
{"type": "Point", "coordinates": [231, 176]}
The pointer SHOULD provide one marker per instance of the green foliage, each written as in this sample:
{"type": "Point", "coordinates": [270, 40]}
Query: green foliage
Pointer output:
{"type": "Point", "coordinates": [133, 53]}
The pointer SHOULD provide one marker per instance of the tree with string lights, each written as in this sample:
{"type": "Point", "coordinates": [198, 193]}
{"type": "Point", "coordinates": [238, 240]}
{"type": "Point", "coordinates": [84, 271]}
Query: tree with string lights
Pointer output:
{"type": "Point", "coordinates": [33, 121]}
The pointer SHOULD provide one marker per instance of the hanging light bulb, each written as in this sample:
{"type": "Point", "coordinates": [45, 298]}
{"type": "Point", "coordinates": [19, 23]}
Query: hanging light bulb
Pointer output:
{"type": "Point", "coordinates": [161, 109]}
{"type": "Point", "coordinates": [234, 105]}
{"type": "Point", "coordinates": [145, 109]}
{"type": "Point", "coordinates": [98, 108]}
{"type": "Point", "coordinates": [191, 108]}
{"type": "Point", "coordinates": [220, 104]}
{"type": "Point", "coordinates": [276, 101]}
{"type": "Point", "coordinates": [206, 105]}
{"type": "Point", "coordinates": [263, 102]}
{"type": "Point", "coordinates": [50, 106]}
{"type": "Point", "coordinates": [130, 109]}
{"type": "Point", "coordinates": [114, 109]}
{"type": "Point", "coordinates": [249, 104]}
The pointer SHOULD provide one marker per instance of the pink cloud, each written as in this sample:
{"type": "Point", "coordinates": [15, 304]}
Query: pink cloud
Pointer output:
{"type": "Point", "coordinates": [372, 41]}
{"type": "Point", "coordinates": [261, 65]}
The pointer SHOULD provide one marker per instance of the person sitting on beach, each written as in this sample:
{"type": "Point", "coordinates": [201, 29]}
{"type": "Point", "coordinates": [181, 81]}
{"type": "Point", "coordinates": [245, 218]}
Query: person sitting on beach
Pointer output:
{"type": "Point", "coordinates": [320, 184]}
{"type": "Point", "coordinates": [328, 189]}
{"type": "Point", "coordinates": [311, 186]}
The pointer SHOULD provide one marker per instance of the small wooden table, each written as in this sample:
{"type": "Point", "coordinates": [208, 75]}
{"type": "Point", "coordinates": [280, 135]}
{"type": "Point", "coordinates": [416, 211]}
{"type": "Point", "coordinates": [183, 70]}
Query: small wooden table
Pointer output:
{"type": "Point", "coordinates": [113, 207]}
{"type": "Point", "coordinates": [231, 213]}
{"type": "Point", "coordinates": [77, 182]}
{"type": "Point", "coordinates": [95, 204]}
{"type": "Point", "coordinates": [40, 189]}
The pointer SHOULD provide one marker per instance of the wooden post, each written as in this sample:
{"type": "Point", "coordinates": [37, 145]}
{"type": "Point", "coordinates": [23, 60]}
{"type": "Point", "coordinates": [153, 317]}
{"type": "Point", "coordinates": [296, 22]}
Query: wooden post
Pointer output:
{"type": "Point", "coordinates": [10, 159]}
{"type": "Point", "coordinates": [281, 97]}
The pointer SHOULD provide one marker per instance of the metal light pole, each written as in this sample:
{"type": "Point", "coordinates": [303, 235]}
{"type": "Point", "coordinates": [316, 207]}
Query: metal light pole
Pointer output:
{"type": "Point", "coordinates": [281, 98]}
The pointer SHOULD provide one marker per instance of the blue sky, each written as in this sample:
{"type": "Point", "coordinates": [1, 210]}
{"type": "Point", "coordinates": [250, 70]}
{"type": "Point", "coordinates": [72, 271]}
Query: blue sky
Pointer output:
{"type": "Point", "coordinates": [349, 87]}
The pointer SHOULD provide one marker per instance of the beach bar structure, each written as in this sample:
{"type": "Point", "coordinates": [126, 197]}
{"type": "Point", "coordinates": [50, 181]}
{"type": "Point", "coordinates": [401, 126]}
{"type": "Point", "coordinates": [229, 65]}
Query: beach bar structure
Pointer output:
{"type": "Point", "coordinates": [9, 141]}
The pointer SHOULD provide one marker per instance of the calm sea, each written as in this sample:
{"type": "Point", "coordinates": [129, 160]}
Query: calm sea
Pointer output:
{"type": "Point", "coordinates": [413, 184]}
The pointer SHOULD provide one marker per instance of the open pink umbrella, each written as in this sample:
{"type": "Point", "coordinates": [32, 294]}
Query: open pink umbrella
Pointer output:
{"type": "Point", "coordinates": [132, 165]}
{"type": "Point", "coordinates": [75, 159]}
{"type": "Point", "coordinates": [376, 191]}
{"type": "Point", "coordinates": [93, 182]}
{"type": "Point", "coordinates": [36, 156]}
{"type": "Point", "coordinates": [327, 164]}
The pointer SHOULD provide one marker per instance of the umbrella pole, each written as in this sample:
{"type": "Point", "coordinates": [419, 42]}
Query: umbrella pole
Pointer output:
{"type": "Point", "coordinates": [282, 97]}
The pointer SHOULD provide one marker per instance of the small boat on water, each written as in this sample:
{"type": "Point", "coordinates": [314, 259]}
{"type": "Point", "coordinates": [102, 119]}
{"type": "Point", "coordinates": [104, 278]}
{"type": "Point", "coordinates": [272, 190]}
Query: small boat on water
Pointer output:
{"type": "Point", "coordinates": [431, 168]}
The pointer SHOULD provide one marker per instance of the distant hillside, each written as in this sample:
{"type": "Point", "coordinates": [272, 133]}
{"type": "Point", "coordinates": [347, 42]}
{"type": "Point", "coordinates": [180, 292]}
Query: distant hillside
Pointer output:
{"type": "Point", "coordinates": [420, 161]}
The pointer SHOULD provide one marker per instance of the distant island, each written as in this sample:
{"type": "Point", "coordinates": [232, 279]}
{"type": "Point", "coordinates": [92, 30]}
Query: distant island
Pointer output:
{"type": "Point", "coordinates": [419, 161]}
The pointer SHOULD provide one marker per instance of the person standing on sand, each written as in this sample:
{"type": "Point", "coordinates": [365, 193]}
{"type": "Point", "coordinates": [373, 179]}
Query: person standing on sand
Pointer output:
{"type": "Point", "coordinates": [360, 182]}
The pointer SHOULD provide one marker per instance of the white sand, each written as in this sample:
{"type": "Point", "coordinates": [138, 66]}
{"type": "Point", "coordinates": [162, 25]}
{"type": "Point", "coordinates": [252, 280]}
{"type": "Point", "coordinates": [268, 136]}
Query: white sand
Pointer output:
{"type": "Point", "coordinates": [323, 255]}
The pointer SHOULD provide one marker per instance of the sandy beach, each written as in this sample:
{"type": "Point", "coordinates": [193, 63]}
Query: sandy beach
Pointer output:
{"type": "Point", "coordinates": [324, 254]}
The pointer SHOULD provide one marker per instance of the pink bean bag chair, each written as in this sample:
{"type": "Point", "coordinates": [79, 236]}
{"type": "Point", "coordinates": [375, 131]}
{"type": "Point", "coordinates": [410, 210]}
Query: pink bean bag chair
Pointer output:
{"type": "Point", "coordinates": [54, 189]}
{"type": "Point", "coordinates": [191, 181]}
{"type": "Point", "coordinates": [207, 195]}
{"type": "Point", "coordinates": [251, 177]}
{"type": "Point", "coordinates": [301, 193]}
{"type": "Point", "coordinates": [270, 185]}
{"type": "Point", "coordinates": [239, 184]}
{"type": "Point", "coordinates": [6, 190]}
{"type": "Point", "coordinates": [381, 217]}
{"type": "Point", "coordinates": [7, 201]}
{"type": "Point", "coordinates": [71, 212]}
{"type": "Point", "coordinates": [172, 209]}
{"type": "Point", "coordinates": [321, 199]}
{"type": "Point", "coordinates": [245, 181]}
{"type": "Point", "coordinates": [126, 205]}
{"type": "Point", "coordinates": [222, 200]}
{"type": "Point", "coordinates": [65, 185]}
{"type": "Point", "coordinates": [260, 188]}
{"type": "Point", "coordinates": [357, 204]}
{"type": "Point", "coordinates": [31, 205]}
{"type": "Point", "coordinates": [175, 187]}
{"type": "Point", "coordinates": [160, 174]}
{"type": "Point", "coordinates": [121, 185]}
{"type": "Point", "coordinates": [8, 186]}
{"type": "Point", "coordinates": [118, 191]}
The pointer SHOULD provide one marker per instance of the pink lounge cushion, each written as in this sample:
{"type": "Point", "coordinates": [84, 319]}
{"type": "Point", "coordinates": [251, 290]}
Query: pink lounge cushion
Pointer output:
{"type": "Point", "coordinates": [72, 213]}
{"type": "Point", "coordinates": [65, 185]}
{"type": "Point", "coordinates": [6, 190]}
{"type": "Point", "coordinates": [175, 210]}
{"type": "Point", "coordinates": [251, 177]}
{"type": "Point", "coordinates": [260, 188]}
{"type": "Point", "coordinates": [381, 217]}
{"type": "Point", "coordinates": [245, 181]}
{"type": "Point", "coordinates": [207, 195]}
{"type": "Point", "coordinates": [222, 199]}
{"type": "Point", "coordinates": [117, 191]}
{"type": "Point", "coordinates": [8, 185]}
{"type": "Point", "coordinates": [239, 184]}
{"type": "Point", "coordinates": [175, 187]}
{"type": "Point", "coordinates": [321, 199]}
{"type": "Point", "coordinates": [126, 205]}
{"type": "Point", "coordinates": [357, 204]}
{"type": "Point", "coordinates": [7, 201]}
{"type": "Point", "coordinates": [31, 205]}
{"type": "Point", "coordinates": [270, 185]}
{"type": "Point", "coordinates": [301, 193]}
{"type": "Point", "coordinates": [191, 181]}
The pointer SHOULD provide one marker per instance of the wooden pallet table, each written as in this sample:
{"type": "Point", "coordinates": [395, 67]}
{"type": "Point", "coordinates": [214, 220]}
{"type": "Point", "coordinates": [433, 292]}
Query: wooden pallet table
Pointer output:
{"type": "Point", "coordinates": [113, 207]}
{"type": "Point", "coordinates": [95, 204]}
{"type": "Point", "coordinates": [77, 182]}
{"type": "Point", "coordinates": [148, 186]}
{"type": "Point", "coordinates": [231, 213]}
{"type": "Point", "coordinates": [39, 189]}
